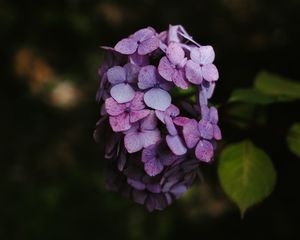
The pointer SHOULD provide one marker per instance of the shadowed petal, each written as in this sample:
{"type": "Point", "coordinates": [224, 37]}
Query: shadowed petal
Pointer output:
{"type": "Point", "coordinates": [143, 34]}
{"type": "Point", "coordinates": [147, 77]}
{"type": "Point", "coordinates": [148, 45]}
{"type": "Point", "coordinates": [139, 60]}
{"type": "Point", "coordinates": [150, 122]}
{"type": "Point", "coordinates": [166, 69]}
{"type": "Point", "coordinates": [153, 167]}
{"type": "Point", "coordinates": [175, 53]}
{"type": "Point", "coordinates": [203, 55]}
{"type": "Point", "coordinates": [181, 121]}
{"type": "Point", "coordinates": [206, 129]}
{"type": "Point", "coordinates": [132, 72]}
{"type": "Point", "coordinates": [210, 72]}
{"type": "Point", "coordinates": [176, 145]}
{"type": "Point", "coordinates": [149, 153]}
{"type": "Point", "coordinates": [122, 93]}
{"type": "Point", "coordinates": [139, 196]}
{"type": "Point", "coordinates": [157, 98]}
{"type": "Point", "coordinates": [178, 189]}
{"type": "Point", "coordinates": [154, 188]}
{"type": "Point", "coordinates": [136, 184]}
{"type": "Point", "coordinates": [138, 115]}
{"type": "Point", "coordinates": [193, 72]}
{"type": "Point", "coordinates": [120, 123]}
{"type": "Point", "coordinates": [126, 46]}
{"type": "Point", "coordinates": [137, 102]}
{"type": "Point", "coordinates": [213, 115]}
{"type": "Point", "coordinates": [204, 151]}
{"type": "Point", "coordinates": [133, 142]}
{"type": "Point", "coordinates": [116, 75]}
{"type": "Point", "coordinates": [217, 132]}
{"type": "Point", "coordinates": [113, 108]}
{"type": "Point", "coordinates": [191, 133]}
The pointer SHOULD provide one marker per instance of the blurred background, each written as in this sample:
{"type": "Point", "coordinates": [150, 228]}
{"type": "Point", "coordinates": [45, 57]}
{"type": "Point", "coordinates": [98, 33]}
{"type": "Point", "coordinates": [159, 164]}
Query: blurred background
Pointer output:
{"type": "Point", "coordinates": [51, 171]}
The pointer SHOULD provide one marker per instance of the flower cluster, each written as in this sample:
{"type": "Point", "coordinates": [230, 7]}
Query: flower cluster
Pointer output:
{"type": "Point", "coordinates": [156, 150]}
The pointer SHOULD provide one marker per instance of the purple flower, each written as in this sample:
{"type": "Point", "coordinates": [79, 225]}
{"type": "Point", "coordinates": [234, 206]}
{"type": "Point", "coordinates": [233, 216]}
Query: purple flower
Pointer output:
{"type": "Point", "coordinates": [142, 134]}
{"type": "Point", "coordinates": [122, 115]}
{"type": "Point", "coordinates": [172, 111]}
{"type": "Point", "coordinates": [171, 67]}
{"type": "Point", "coordinates": [200, 66]}
{"type": "Point", "coordinates": [143, 41]}
{"type": "Point", "coordinates": [121, 78]}
{"type": "Point", "coordinates": [156, 96]}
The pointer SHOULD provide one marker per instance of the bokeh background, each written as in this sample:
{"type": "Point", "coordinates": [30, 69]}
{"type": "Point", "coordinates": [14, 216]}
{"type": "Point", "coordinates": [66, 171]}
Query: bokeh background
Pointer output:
{"type": "Point", "coordinates": [51, 171]}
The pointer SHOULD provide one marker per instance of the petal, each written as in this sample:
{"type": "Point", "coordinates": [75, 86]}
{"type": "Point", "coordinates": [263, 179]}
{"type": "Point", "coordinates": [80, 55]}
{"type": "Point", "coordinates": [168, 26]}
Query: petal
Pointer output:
{"type": "Point", "coordinates": [147, 77]}
{"type": "Point", "coordinates": [175, 53]}
{"type": "Point", "coordinates": [149, 153]}
{"type": "Point", "coordinates": [172, 111]}
{"type": "Point", "coordinates": [213, 115]}
{"type": "Point", "coordinates": [120, 123]}
{"type": "Point", "coordinates": [116, 75]}
{"type": "Point", "coordinates": [126, 46]}
{"type": "Point", "coordinates": [191, 133]}
{"type": "Point", "coordinates": [133, 142]}
{"type": "Point", "coordinates": [113, 108]}
{"type": "Point", "coordinates": [204, 151]}
{"type": "Point", "coordinates": [122, 92]}
{"type": "Point", "coordinates": [170, 126]}
{"type": "Point", "coordinates": [179, 79]}
{"type": "Point", "coordinates": [176, 145]}
{"type": "Point", "coordinates": [148, 45]}
{"type": "Point", "coordinates": [166, 69]}
{"type": "Point", "coordinates": [205, 112]}
{"type": "Point", "coordinates": [178, 189]}
{"type": "Point", "coordinates": [138, 115]}
{"type": "Point", "coordinates": [210, 89]}
{"type": "Point", "coordinates": [139, 60]}
{"type": "Point", "coordinates": [193, 72]}
{"type": "Point", "coordinates": [132, 72]}
{"type": "Point", "coordinates": [139, 196]}
{"type": "Point", "coordinates": [181, 121]}
{"type": "Point", "coordinates": [217, 132]}
{"type": "Point", "coordinates": [206, 129]}
{"type": "Point", "coordinates": [137, 103]}
{"type": "Point", "coordinates": [138, 185]}
{"type": "Point", "coordinates": [150, 137]}
{"type": "Point", "coordinates": [210, 72]}
{"type": "Point", "coordinates": [158, 99]}
{"type": "Point", "coordinates": [154, 188]}
{"type": "Point", "coordinates": [150, 122]}
{"type": "Point", "coordinates": [153, 167]}
{"type": "Point", "coordinates": [203, 55]}
{"type": "Point", "coordinates": [203, 97]}
{"type": "Point", "coordinates": [143, 34]}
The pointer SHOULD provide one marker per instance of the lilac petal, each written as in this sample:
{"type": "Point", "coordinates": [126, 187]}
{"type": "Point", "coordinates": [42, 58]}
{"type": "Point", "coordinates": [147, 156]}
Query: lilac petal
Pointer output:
{"type": "Point", "coordinates": [167, 158]}
{"type": "Point", "coordinates": [173, 34]}
{"type": "Point", "coordinates": [137, 102]}
{"type": "Point", "coordinates": [120, 123]}
{"type": "Point", "coordinates": [148, 45]}
{"type": "Point", "coordinates": [160, 115]}
{"type": "Point", "coordinates": [150, 137]}
{"type": "Point", "coordinates": [149, 123]}
{"type": "Point", "coordinates": [139, 60]}
{"type": "Point", "coordinates": [170, 126]}
{"type": "Point", "coordinates": [191, 133]}
{"type": "Point", "coordinates": [149, 153]}
{"type": "Point", "coordinates": [113, 108]}
{"type": "Point", "coordinates": [217, 132]}
{"type": "Point", "coordinates": [210, 72]}
{"type": "Point", "coordinates": [133, 142]}
{"type": "Point", "coordinates": [205, 113]}
{"type": "Point", "coordinates": [132, 72]}
{"type": "Point", "coordinates": [147, 77]}
{"type": "Point", "coordinates": [166, 69]}
{"type": "Point", "coordinates": [179, 79]}
{"type": "Point", "coordinates": [116, 75]}
{"type": "Point", "coordinates": [121, 160]}
{"type": "Point", "coordinates": [122, 92]}
{"type": "Point", "coordinates": [203, 55]}
{"type": "Point", "coordinates": [213, 115]}
{"type": "Point", "coordinates": [126, 46]}
{"type": "Point", "coordinates": [168, 198]}
{"type": "Point", "coordinates": [204, 151]}
{"type": "Point", "coordinates": [138, 115]}
{"type": "Point", "coordinates": [178, 189]}
{"type": "Point", "coordinates": [206, 129]}
{"type": "Point", "coordinates": [193, 72]}
{"type": "Point", "coordinates": [139, 196]}
{"type": "Point", "coordinates": [143, 34]}
{"type": "Point", "coordinates": [153, 167]}
{"type": "Point", "coordinates": [210, 89]}
{"type": "Point", "coordinates": [175, 53]}
{"type": "Point", "coordinates": [158, 99]}
{"type": "Point", "coordinates": [154, 188]}
{"type": "Point", "coordinates": [202, 97]}
{"type": "Point", "coordinates": [172, 111]}
{"type": "Point", "coordinates": [181, 121]}
{"type": "Point", "coordinates": [136, 184]}
{"type": "Point", "coordinates": [176, 145]}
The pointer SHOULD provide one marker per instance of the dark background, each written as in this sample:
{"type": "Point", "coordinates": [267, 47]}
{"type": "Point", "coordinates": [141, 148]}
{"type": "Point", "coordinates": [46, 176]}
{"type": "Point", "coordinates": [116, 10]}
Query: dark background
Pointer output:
{"type": "Point", "coordinates": [51, 171]}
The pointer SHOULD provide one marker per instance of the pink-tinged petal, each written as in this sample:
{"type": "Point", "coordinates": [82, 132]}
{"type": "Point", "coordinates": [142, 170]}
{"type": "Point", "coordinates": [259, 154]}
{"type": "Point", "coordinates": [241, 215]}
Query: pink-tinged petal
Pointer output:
{"type": "Point", "coordinates": [150, 137]}
{"type": "Point", "coordinates": [203, 55]}
{"type": "Point", "coordinates": [206, 129]}
{"type": "Point", "coordinates": [179, 79]}
{"type": "Point", "coordinates": [170, 126]}
{"type": "Point", "coordinates": [149, 153]}
{"type": "Point", "coordinates": [213, 115]}
{"type": "Point", "coordinates": [148, 45]}
{"type": "Point", "coordinates": [132, 72]}
{"type": "Point", "coordinates": [191, 133]}
{"type": "Point", "coordinates": [193, 72]}
{"type": "Point", "coordinates": [210, 72]}
{"type": "Point", "coordinates": [138, 115]}
{"type": "Point", "coordinates": [120, 123]}
{"type": "Point", "coordinates": [204, 151]}
{"type": "Point", "coordinates": [181, 121]}
{"type": "Point", "coordinates": [166, 69]}
{"type": "Point", "coordinates": [176, 145]}
{"type": "Point", "coordinates": [172, 111]}
{"type": "Point", "coordinates": [143, 34]}
{"type": "Point", "coordinates": [139, 196]}
{"type": "Point", "coordinates": [137, 102]}
{"type": "Point", "coordinates": [113, 108]}
{"type": "Point", "coordinates": [149, 123]}
{"type": "Point", "coordinates": [122, 92]}
{"type": "Point", "coordinates": [175, 53]}
{"type": "Point", "coordinates": [217, 132]}
{"type": "Point", "coordinates": [138, 185]}
{"type": "Point", "coordinates": [173, 34]}
{"type": "Point", "coordinates": [133, 142]}
{"type": "Point", "coordinates": [147, 77]}
{"type": "Point", "coordinates": [116, 75]}
{"type": "Point", "coordinates": [126, 46]}
{"type": "Point", "coordinates": [157, 99]}
{"type": "Point", "coordinates": [153, 167]}
{"type": "Point", "coordinates": [139, 60]}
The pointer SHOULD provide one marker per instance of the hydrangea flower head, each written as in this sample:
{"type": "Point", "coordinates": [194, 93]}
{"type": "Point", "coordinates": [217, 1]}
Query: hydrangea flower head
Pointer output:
{"type": "Point", "coordinates": [155, 145]}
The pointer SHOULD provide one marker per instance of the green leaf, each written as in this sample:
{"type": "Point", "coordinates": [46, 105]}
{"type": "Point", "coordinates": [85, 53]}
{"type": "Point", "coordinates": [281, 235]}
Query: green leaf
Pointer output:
{"type": "Point", "coordinates": [277, 86]}
{"type": "Point", "coordinates": [250, 95]}
{"type": "Point", "coordinates": [246, 173]}
{"type": "Point", "coordinates": [293, 139]}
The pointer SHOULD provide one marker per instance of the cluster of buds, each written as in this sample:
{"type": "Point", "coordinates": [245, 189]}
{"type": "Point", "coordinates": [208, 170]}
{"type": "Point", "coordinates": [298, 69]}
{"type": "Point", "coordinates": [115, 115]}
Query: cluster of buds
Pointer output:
{"type": "Point", "coordinates": [154, 150]}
